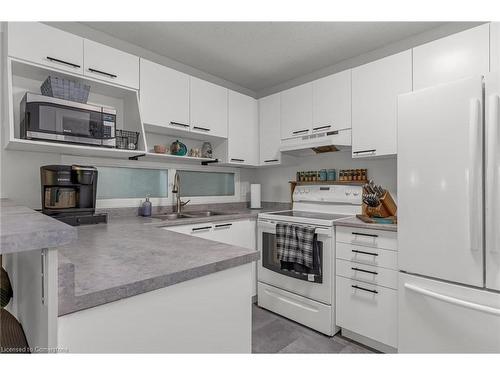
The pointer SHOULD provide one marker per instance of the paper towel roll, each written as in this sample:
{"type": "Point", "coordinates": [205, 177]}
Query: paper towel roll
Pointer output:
{"type": "Point", "coordinates": [255, 196]}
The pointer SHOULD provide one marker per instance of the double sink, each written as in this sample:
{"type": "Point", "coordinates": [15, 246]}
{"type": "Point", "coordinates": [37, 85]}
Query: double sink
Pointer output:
{"type": "Point", "coordinates": [188, 215]}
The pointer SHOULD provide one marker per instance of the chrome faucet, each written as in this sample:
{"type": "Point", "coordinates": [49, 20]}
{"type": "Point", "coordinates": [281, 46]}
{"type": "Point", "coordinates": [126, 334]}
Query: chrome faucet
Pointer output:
{"type": "Point", "coordinates": [176, 189]}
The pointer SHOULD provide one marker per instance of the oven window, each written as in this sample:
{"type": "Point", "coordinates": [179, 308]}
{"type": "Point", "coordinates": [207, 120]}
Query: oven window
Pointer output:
{"type": "Point", "coordinates": [270, 259]}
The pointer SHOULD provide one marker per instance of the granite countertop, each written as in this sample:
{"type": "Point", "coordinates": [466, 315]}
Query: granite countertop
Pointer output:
{"type": "Point", "coordinates": [354, 222]}
{"type": "Point", "coordinates": [23, 229]}
{"type": "Point", "coordinates": [131, 255]}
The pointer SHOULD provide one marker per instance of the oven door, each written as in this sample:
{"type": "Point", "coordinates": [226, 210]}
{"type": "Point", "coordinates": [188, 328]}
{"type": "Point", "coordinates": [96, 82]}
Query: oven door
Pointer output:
{"type": "Point", "coordinates": [269, 271]}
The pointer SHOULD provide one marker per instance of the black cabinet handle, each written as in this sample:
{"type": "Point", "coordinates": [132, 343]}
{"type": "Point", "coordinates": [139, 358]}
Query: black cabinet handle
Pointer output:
{"type": "Point", "coordinates": [179, 124]}
{"type": "Point", "coordinates": [53, 59]}
{"type": "Point", "coordinates": [200, 228]}
{"type": "Point", "coordinates": [239, 160]}
{"type": "Point", "coordinates": [365, 234]}
{"type": "Point", "coordinates": [200, 128]}
{"type": "Point", "coordinates": [223, 225]}
{"type": "Point", "coordinates": [364, 252]}
{"type": "Point", "coordinates": [364, 151]}
{"type": "Point", "coordinates": [103, 73]}
{"type": "Point", "coordinates": [300, 131]}
{"type": "Point", "coordinates": [270, 160]}
{"type": "Point", "coordinates": [322, 127]}
{"type": "Point", "coordinates": [365, 289]}
{"type": "Point", "coordinates": [362, 270]}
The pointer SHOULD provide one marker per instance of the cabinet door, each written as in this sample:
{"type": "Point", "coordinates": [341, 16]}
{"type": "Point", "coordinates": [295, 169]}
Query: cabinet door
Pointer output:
{"type": "Point", "coordinates": [375, 87]}
{"type": "Point", "coordinates": [451, 58]}
{"type": "Point", "coordinates": [494, 46]}
{"type": "Point", "coordinates": [296, 111]}
{"type": "Point", "coordinates": [208, 108]}
{"type": "Point", "coordinates": [109, 64]}
{"type": "Point", "coordinates": [332, 103]}
{"type": "Point", "coordinates": [42, 44]}
{"type": "Point", "coordinates": [243, 130]}
{"type": "Point", "coordinates": [164, 96]}
{"type": "Point", "coordinates": [269, 129]}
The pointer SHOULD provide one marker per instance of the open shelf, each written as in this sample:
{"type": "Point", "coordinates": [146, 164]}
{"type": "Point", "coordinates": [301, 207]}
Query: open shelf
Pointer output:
{"type": "Point", "coordinates": [173, 131]}
{"type": "Point", "coordinates": [336, 182]}
{"type": "Point", "coordinates": [70, 149]}
{"type": "Point", "coordinates": [177, 159]}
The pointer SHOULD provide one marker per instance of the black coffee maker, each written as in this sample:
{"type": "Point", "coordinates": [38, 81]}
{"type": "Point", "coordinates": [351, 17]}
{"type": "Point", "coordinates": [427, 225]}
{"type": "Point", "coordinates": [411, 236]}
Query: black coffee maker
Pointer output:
{"type": "Point", "coordinates": [69, 194]}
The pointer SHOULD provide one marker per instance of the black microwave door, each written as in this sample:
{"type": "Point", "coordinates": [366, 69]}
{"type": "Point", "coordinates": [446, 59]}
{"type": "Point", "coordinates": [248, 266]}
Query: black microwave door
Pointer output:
{"type": "Point", "coordinates": [57, 119]}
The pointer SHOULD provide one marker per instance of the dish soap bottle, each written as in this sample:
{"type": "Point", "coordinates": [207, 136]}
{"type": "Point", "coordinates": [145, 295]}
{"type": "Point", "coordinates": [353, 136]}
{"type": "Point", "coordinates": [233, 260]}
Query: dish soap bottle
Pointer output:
{"type": "Point", "coordinates": [146, 207]}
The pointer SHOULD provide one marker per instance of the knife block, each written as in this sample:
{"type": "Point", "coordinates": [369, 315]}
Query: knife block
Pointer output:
{"type": "Point", "coordinates": [386, 208]}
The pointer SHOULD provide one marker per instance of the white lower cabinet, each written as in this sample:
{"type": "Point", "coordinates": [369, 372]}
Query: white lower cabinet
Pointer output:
{"type": "Point", "coordinates": [237, 233]}
{"type": "Point", "coordinates": [367, 309]}
{"type": "Point", "coordinates": [367, 286]}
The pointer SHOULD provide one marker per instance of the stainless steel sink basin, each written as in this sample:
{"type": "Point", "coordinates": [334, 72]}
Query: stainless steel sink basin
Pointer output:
{"type": "Point", "coordinates": [172, 216]}
{"type": "Point", "coordinates": [204, 213]}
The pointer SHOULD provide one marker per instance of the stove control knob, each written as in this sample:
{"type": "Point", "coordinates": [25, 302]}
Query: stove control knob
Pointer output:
{"type": "Point", "coordinates": [347, 193]}
{"type": "Point", "coordinates": [355, 193]}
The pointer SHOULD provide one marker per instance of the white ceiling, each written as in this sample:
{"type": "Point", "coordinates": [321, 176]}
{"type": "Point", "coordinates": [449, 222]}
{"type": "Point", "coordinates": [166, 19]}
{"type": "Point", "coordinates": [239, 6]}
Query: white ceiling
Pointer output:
{"type": "Point", "coordinates": [260, 55]}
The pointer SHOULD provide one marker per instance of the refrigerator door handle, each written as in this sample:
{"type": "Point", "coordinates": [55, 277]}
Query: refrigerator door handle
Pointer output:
{"type": "Point", "coordinates": [453, 300]}
{"type": "Point", "coordinates": [492, 172]}
{"type": "Point", "coordinates": [474, 176]}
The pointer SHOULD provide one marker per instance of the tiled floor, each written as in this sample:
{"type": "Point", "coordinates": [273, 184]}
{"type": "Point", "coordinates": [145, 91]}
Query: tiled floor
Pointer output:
{"type": "Point", "coordinates": [272, 333]}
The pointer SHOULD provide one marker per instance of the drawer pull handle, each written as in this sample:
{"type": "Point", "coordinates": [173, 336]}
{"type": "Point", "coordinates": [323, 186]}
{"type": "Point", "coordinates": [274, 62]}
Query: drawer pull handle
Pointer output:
{"type": "Point", "coordinates": [365, 289]}
{"type": "Point", "coordinates": [238, 160]}
{"type": "Point", "coordinates": [201, 228]}
{"type": "Point", "coordinates": [322, 127]}
{"type": "Point", "coordinates": [200, 128]}
{"type": "Point", "coordinates": [92, 70]}
{"type": "Point", "coordinates": [53, 59]}
{"type": "Point", "coordinates": [270, 160]}
{"type": "Point", "coordinates": [362, 270]}
{"type": "Point", "coordinates": [364, 152]}
{"type": "Point", "coordinates": [179, 124]}
{"type": "Point", "coordinates": [223, 225]}
{"type": "Point", "coordinates": [365, 234]}
{"type": "Point", "coordinates": [364, 252]}
{"type": "Point", "coordinates": [300, 131]}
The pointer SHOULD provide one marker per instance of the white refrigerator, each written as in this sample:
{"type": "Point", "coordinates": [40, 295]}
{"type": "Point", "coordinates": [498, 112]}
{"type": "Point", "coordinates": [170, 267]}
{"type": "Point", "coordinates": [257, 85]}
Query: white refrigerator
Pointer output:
{"type": "Point", "coordinates": [449, 217]}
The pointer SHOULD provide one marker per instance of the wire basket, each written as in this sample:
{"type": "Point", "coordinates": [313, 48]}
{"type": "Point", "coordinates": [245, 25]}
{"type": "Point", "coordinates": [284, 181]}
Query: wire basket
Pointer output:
{"type": "Point", "coordinates": [65, 89]}
{"type": "Point", "coordinates": [126, 139]}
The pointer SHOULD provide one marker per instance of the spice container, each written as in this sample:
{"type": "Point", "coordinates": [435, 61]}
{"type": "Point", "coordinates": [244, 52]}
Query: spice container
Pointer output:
{"type": "Point", "coordinates": [323, 175]}
{"type": "Point", "coordinates": [331, 175]}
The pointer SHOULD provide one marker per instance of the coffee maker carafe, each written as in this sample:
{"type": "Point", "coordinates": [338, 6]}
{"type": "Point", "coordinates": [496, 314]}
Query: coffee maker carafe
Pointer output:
{"type": "Point", "coordinates": [69, 193]}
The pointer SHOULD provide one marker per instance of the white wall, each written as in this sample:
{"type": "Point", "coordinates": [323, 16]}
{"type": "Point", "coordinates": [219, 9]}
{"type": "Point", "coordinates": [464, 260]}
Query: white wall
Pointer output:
{"type": "Point", "coordinates": [274, 180]}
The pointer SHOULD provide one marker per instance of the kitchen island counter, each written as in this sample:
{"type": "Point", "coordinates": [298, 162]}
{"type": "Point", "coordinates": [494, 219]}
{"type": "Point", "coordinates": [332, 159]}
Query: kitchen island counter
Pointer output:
{"type": "Point", "coordinates": [125, 258]}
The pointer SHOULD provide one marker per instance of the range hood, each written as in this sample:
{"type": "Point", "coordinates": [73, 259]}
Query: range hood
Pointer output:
{"type": "Point", "coordinates": [317, 143]}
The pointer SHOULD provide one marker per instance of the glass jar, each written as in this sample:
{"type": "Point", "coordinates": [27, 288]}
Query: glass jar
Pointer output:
{"type": "Point", "coordinates": [331, 175]}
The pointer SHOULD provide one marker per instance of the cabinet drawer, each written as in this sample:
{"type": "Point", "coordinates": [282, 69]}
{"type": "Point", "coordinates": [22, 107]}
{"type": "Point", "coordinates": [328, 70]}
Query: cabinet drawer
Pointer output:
{"type": "Point", "coordinates": [371, 312]}
{"type": "Point", "coordinates": [367, 273]}
{"type": "Point", "coordinates": [368, 237]}
{"type": "Point", "coordinates": [112, 65]}
{"type": "Point", "coordinates": [42, 44]}
{"type": "Point", "coordinates": [367, 255]}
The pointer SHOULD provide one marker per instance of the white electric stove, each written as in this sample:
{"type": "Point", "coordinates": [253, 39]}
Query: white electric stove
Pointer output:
{"type": "Point", "coordinates": [305, 298]}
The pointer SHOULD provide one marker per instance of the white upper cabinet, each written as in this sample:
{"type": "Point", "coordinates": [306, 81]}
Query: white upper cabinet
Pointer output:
{"type": "Point", "coordinates": [451, 58]}
{"type": "Point", "coordinates": [495, 46]}
{"type": "Point", "coordinates": [296, 111]}
{"type": "Point", "coordinates": [208, 108]}
{"type": "Point", "coordinates": [269, 129]}
{"type": "Point", "coordinates": [110, 64]}
{"type": "Point", "coordinates": [375, 87]}
{"type": "Point", "coordinates": [42, 44]}
{"type": "Point", "coordinates": [332, 102]}
{"type": "Point", "coordinates": [164, 96]}
{"type": "Point", "coordinates": [243, 137]}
